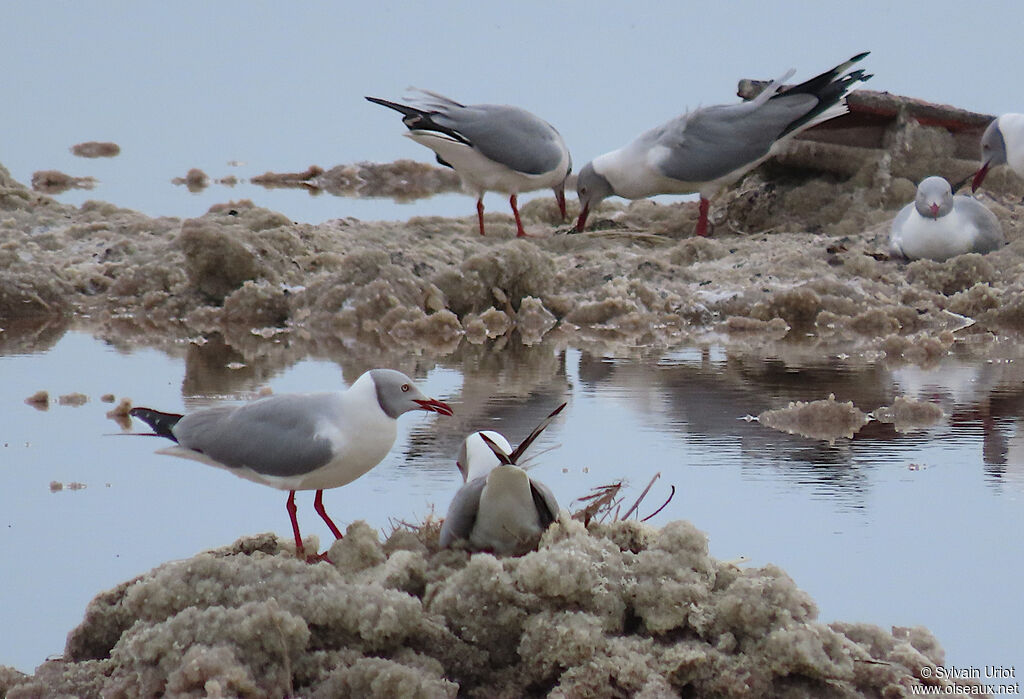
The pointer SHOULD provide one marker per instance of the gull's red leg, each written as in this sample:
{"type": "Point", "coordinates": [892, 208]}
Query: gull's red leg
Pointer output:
{"type": "Point", "coordinates": [480, 213]}
{"type": "Point", "coordinates": [318, 505]}
{"type": "Point", "coordinates": [702, 217]}
{"type": "Point", "coordinates": [520, 232]}
{"type": "Point", "coordinates": [290, 506]}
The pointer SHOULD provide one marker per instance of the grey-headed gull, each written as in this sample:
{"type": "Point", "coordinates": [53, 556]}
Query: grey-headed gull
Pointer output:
{"type": "Point", "coordinates": [500, 509]}
{"type": "Point", "coordinates": [1001, 144]}
{"type": "Point", "coordinates": [298, 441]}
{"type": "Point", "coordinates": [492, 148]}
{"type": "Point", "coordinates": [938, 225]}
{"type": "Point", "coordinates": [710, 148]}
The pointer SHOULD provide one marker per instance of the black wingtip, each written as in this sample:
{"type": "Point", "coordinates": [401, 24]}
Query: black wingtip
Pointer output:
{"type": "Point", "coordinates": [829, 88]}
{"type": "Point", "coordinates": [410, 115]}
{"type": "Point", "coordinates": [498, 451]}
{"type": "Point", "coordinates": [525, 444]}
{"type": "Point", "coordinates": [420, 120]}
{"type": "Point", "coordinates": [162, 423]}
{"type": "Point", "coordinates": [959, 184]}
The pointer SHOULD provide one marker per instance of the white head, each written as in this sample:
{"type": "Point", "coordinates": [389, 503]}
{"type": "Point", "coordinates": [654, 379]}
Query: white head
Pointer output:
{"type": "Point", "coordinates": [934, 197]}
{"type": "Point", "coordinates": [476, 458]}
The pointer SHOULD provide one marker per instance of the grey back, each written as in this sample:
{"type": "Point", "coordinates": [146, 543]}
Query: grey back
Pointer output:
{"type": "Point", "coordinates": [990, 231]}
{"type": "Point", "coordinates": [508, 135]}
{"type": "Point", "coordinates": [275, 436]}
{"type": "Point", "coordinates": [712, 142]}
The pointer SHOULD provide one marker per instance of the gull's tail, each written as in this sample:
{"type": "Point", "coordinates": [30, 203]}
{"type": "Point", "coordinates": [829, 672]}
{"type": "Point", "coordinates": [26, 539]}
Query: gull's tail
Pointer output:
{"type": "Point", "coordinates": [416, 119]}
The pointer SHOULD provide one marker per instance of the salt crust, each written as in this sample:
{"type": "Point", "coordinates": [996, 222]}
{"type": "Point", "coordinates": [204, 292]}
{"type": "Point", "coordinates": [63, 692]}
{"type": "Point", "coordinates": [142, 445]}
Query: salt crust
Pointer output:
{"type": "Point", "coordinates": [790, 257]}
{"type": "Point", "coordinates": [830, 420]}
{"type": "Point", "coordinates": [619, 609]}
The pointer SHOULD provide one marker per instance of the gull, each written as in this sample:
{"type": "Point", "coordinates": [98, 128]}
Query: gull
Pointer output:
{"type": "Point", "coordinates": [710, 148]}
{"type": "Point", "coordinates": [491, 147]}
{"type": "Point", "coordinates": [500, 509]}
{"type": "Point", "coordinates": [298, 441]}
{"type": "Point", "coordinates": [938, 225]}
{"type": "Point", "coordinates": [1001, 144]}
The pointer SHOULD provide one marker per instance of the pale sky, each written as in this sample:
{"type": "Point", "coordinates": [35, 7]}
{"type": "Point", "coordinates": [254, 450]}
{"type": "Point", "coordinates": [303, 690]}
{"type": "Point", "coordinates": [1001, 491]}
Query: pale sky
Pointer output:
{"type": "Point", "coordinates": [281, 86]}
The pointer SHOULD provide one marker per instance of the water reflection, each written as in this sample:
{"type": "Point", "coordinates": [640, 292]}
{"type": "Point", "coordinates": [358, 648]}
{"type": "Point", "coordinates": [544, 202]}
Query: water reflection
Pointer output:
{"type": "Point", "coordinates": [696, 396]}
{"type": "Point", "coordinates": [31, 335]}
{"type": "Point", "coordinates": [831, 515]}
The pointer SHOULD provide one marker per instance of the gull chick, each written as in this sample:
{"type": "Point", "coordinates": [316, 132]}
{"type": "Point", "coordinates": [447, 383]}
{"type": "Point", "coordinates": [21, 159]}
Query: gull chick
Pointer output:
{"type": "Point", "coordinates": [500, 509]}
{"type": "Point", "coordinates": [298, 441]}
{"type": "Point", "coordinates": [708, 149]}
{"type": "Point", "coordinates": [491, 147]}
{"type": "Point", "coordinates": [938, 225]}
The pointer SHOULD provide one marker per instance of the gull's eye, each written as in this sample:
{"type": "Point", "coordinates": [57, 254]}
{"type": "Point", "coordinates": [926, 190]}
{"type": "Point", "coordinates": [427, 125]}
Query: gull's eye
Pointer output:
{"type": "Point", "coordinates": [405, 388]}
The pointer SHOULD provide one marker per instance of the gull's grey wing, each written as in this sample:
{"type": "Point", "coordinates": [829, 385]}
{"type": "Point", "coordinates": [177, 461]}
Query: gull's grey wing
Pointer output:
{"type": "Point", "coordinates": [274, 436]}
{"type": "Point", "coordinates": [508, 135]}
{"type": "Point", "coordinates": [458, 523]}
{"type": "Point", "coordinates": [990, 231]}
{"type": "Point", "coordinates": [544, 500]}
{"type": "Point", "coordinates": [709, 143]}
{"type": "Point", "coordinates": [895, 231]}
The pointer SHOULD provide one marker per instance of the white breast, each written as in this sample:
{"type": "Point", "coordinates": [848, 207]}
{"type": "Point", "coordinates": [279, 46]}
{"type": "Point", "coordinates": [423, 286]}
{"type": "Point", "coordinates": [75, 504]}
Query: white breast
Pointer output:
{"type": "Point", "coordinates": [939, 239]}
{"type": "Point", "coordinates": [633, 175]}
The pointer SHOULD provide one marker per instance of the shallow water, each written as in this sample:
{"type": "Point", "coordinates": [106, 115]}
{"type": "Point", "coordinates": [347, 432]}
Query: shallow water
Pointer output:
{"type": "Point", "coordinates": [888, 528]}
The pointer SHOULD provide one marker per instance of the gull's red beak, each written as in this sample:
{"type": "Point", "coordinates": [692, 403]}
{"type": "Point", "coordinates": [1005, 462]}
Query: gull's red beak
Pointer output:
{"type": "Point", "coordinates": [435, 406]}
{"type": "Point", "coordinates": [560, 198]}
{"type": "Point", "coordinates": [934, 208]}
{"type": "Point", "coordinates": [581, 222]}
{"type": "Point", "coordinates": [979, 176]}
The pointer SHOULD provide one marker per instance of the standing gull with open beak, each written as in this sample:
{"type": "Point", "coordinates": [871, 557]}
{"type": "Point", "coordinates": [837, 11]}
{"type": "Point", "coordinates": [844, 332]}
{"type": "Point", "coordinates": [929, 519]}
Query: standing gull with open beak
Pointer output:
{"type": "Point", "coordinates": [500, 509]}
{"type": "Point", "coordinates": [1001, 144]}
{"type": "Point", "coordinates": [298, 441]}
{"type": "Point", "coordinates": [491, 147]}
{"type": "Point", "coordinates": [708, 149]}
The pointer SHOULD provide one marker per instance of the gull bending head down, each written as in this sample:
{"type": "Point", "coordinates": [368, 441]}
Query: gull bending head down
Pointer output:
{"type": "Point", "coordinates": [500, 509]}
{"type": "Point", "coordinates": [710, 148]}
{"type": "Point", "coordinates": [491, 147]}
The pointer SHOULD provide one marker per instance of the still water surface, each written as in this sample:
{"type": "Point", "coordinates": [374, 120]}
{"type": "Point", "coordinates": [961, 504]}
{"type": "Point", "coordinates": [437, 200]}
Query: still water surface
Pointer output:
{"type": "Point", "coordinates": [894, 529]}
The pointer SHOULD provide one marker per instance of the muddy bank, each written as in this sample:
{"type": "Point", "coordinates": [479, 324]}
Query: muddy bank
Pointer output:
{"type": "Point", "coordinates": [792, 256]}
{"type": "Point", "coordinates": [57, 182]}
{"type": "Point", "coordinates": [621, 609]}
